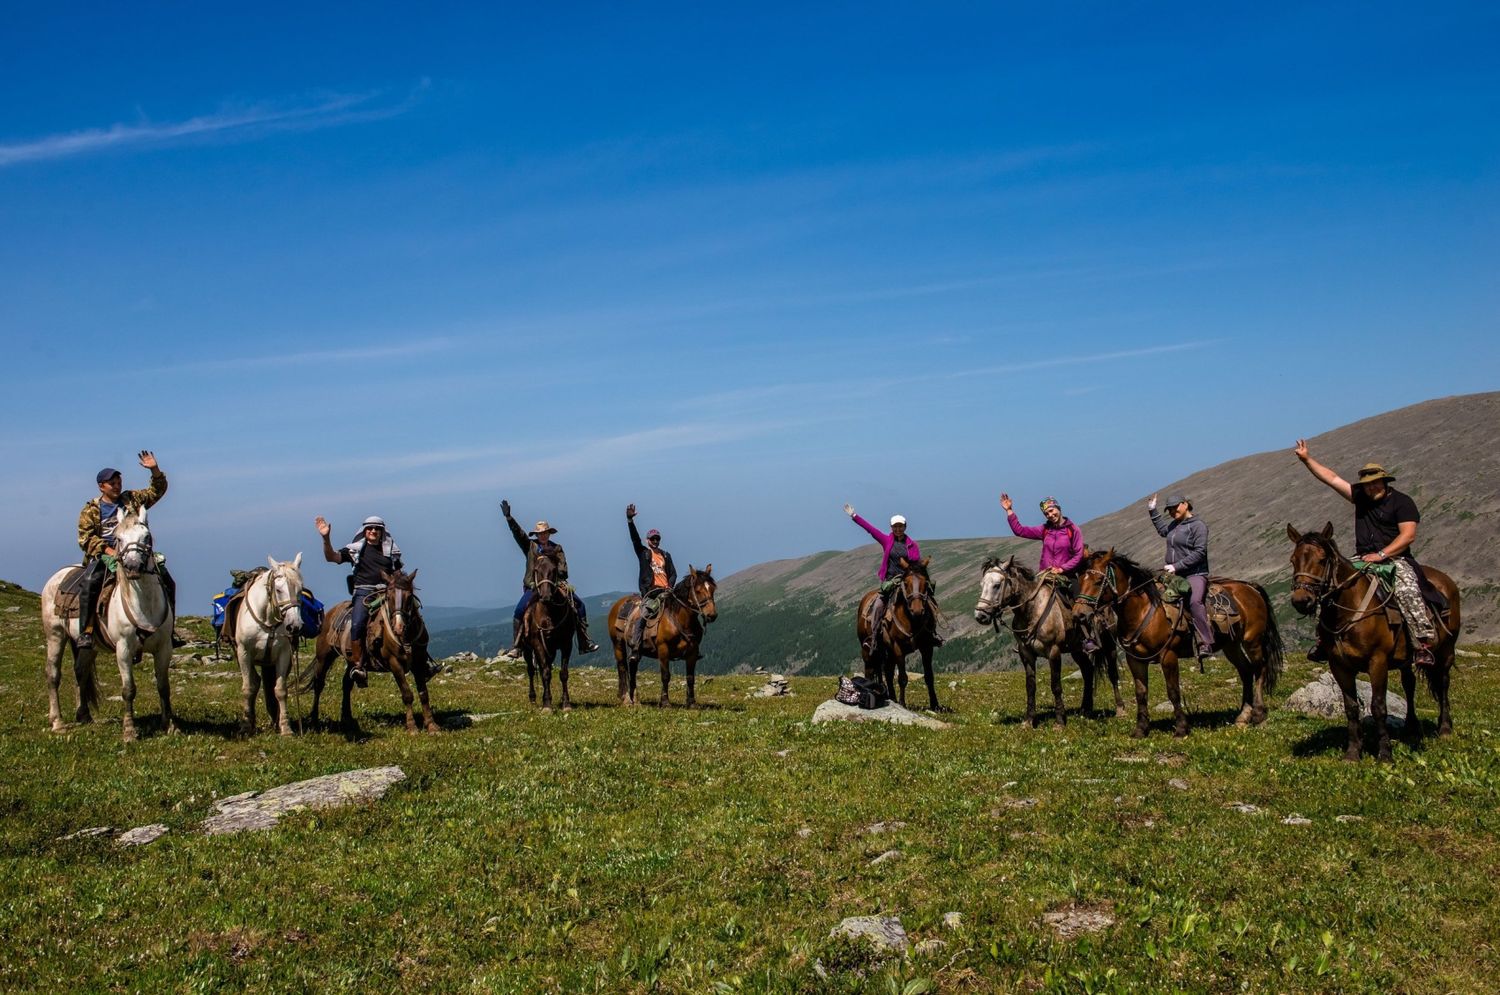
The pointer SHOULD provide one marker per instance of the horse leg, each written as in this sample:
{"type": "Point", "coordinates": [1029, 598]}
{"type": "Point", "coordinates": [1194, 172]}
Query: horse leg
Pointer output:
{"type": "Point", "coordinates": [268, 688]}
{"type": "Point", "coordinates": [1345, 679]}
{"type": "Point", "coordinates": [1054, 662]}
{"type": "Point", "coordinates": [1112, 664]}
{"type": "Point", "coordinates": [901, 677]}
{"type": "Point", "coordinates": [1086, 668]}
{"type": "Point", "coordinates": [690, 662]}
{"type": "Point", "coordinates": [530, 673]}
{"type": "Point", "coordinates": [346, 710]}
{"type": "Point", "coordinates": [1140, 673]}
{"type": "Point", "coordinates": [546, 676]}
{"type": "Point", "coordinates": [1412, 730]}
{"type": "Point", "coordinates": [125, 660]}
{"type": "Point", "coordinates": [164, 681]}
{"type": "Point", "coordinates": [55, 642]}
{"type": "Point", "coordinates": [407, 698]}
{"type": "Point", "coordinates": [622, 669]}
{"type": "Point", "coordinates": [1170, 671]}
{"type": "Point", "coordinates": [567, 652]}
{"type": "Point", "coordinates": [1379, 680]}
{"type": "Point", "coordinates": [666, 673]}
{"type": "Point", "coordinates": [1249, 683]}
{"type": "Point", "coordinates": [428, 722]}
{"type": "Point", "coordinates": [1437, 682]}
{"type": "Point", "coordinates": [930, 679]}
{"type": "Point", "coordinates": [319, 679]}
{"type": "Point", "coordinates": [283, 675]}
{"type": "Point", "coordinates": [249, 691]}
{"type": "Point", "coordinates": [1028, 662]}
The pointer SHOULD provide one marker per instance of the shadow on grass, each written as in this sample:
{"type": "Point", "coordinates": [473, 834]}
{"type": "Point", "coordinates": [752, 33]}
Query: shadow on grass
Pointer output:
{"type": "Point", "coordinates": [1331, 739]}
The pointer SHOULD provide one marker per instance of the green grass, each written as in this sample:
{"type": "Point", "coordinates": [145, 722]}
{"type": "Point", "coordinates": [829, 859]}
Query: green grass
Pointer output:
{"type": "Point", "coordinates": [658, 850]}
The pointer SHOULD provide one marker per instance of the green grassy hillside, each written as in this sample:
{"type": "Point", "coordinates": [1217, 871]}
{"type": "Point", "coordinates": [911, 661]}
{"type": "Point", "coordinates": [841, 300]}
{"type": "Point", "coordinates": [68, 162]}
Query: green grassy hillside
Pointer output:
{"type": "Point", "coordinates": [670, 850]}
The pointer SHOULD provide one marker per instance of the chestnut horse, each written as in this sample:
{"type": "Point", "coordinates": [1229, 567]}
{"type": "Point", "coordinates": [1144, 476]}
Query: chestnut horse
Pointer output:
{"type": "Point", "coordinates": [396, 626]}
{"type": "Point", "coordinates": [1043, 627]}
{"type": "Point", "coordinates": [680, 623]}
{"type": "Point", "coordinates": [1150, 629]}
{"type": "Point", "coordinates": [1352, 608]}
{"type": "Point", "coordinates": [548, 627]}
{"type": "Point", "coordinates": [909, 625]}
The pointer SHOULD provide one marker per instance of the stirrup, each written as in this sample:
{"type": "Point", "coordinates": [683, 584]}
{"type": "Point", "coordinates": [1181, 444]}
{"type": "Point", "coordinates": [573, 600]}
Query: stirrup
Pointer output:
{"type": "Point", "coordinates": [85, 641]}
{"type": "Point", "coordinates": [1318, 654]}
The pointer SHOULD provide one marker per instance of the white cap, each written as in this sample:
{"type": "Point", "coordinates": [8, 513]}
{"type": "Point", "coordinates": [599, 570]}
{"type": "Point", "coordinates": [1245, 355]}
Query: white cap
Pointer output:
{"type": "Point", "coordinates": [898, 519]}
{"type": "Point", "coordinates": [375, 520]}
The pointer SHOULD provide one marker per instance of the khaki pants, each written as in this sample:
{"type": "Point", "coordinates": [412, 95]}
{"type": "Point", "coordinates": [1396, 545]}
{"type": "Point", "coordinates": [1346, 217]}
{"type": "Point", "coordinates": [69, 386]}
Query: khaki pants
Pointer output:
{"type": "Point", "coordinates": [1409, 600]}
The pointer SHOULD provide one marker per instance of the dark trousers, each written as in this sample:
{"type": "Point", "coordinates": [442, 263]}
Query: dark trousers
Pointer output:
{"type": "Point", "coordinates": [359, 614]}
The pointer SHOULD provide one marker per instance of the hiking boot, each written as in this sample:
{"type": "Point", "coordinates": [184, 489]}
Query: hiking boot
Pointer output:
{"type": "Point", "coordinates": [586, 645]}
{"type": "Point", "coordinates": [515, 636]}
{"type": "Point", "coordinates": [357, 666]}
{"type": "Point", "coordinates": [1090, 646]}
{"type": "Point", "coordinates": [1318, 654]}
{"type": "Point", "coordinates": [937, 640]}
{"type": "Point", "coordinates": [177, 641]}
{"type": "Point", "coordinates": [1423, 656]}
{"type": "Point", "coordinates": [85, 640]}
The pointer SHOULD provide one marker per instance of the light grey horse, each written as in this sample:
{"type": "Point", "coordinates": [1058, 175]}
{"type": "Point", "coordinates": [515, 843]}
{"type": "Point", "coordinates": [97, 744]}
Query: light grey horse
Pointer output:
{"type": "Point", "coordinates": [267, 624]}
{"type": "Point", "coordinates": [138, 621]}
{"type": "Point", "coordinates": [1043, 626]}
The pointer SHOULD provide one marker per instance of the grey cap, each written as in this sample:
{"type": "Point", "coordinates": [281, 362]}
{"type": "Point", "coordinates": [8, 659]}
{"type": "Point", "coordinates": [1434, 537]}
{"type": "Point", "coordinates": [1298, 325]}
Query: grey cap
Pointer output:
{"type": "Point", "coordinates": [1177, 499]}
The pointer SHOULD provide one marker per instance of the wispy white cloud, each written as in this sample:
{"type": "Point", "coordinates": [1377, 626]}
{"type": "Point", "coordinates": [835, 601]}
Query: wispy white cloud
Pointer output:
{"type": "Point", "coordinates": [227, 124]}
{"type": "Point", "coordinates": [1075, 360]}
{"type": "Point", "coordinates": [277, 359]}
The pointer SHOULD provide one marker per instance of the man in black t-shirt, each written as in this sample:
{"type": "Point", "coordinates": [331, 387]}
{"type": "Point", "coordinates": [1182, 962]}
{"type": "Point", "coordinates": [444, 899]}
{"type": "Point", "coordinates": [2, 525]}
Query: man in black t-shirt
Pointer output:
{"type": "Point", "coordinates": [1385, 526]}
{"type": "Point", "coordinates": [374, 554]}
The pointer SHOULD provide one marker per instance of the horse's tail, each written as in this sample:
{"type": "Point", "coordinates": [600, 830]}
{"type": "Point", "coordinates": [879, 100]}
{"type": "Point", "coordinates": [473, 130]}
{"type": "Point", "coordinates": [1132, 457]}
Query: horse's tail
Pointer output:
{"type": "Point", "coordinates": [1271, 642]}
{"type": "Point", "coordinates": [88, 680]}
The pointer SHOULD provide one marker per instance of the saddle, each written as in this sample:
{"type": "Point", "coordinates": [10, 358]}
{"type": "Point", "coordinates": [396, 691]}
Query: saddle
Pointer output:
{"type": "Point", "coordinates": [65, 602]}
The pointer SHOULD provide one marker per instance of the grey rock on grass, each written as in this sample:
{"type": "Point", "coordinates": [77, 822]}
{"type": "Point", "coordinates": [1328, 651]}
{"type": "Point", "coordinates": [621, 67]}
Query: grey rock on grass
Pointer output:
{"type": "Point", "coordinates": [1075, 920]}
{"type": "Point", "coordinates": [141, 835]}
{"type": "Point", "coordinates": [261, 810]}
{"type": "Point", "coordinates": [884, 932]}
{"type": "Point", "coordinates": [1323, 698]}
{"type": "Point", "coordinates": [89, 833]}
{"type": "Point", "coordinates": [837, 711]}
{"type": "Point", "coordinates": [886, 857]}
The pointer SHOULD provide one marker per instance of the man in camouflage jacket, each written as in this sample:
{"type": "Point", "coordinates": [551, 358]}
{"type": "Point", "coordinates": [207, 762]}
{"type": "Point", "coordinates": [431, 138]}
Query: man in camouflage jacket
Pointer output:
{"type": "Point", "coordinates": [96, 536]}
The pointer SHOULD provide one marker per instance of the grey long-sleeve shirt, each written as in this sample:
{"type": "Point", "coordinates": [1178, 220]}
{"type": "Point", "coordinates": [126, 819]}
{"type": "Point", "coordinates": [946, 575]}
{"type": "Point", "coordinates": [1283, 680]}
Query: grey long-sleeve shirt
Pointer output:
{"type": "Point", "coordinates": [1187, 542]}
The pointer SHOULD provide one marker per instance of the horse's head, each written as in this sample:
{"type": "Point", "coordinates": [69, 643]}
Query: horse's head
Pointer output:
{"type": "Point", "coordinates": [1098, 583]}
{"type": "Point", "coordinates": [401, 594]}
{"type": "Point", "coordinates": [546, 578]}
{"type": "Point", "coordinates": [1315, 560]}
{"type": "Point", "coordinates": [697, 592]}
{"type": "Point", "coordinates": [284, 587]}
{"type": "Point", "coordinates": [916, 587]}
{"type": "Point", "coordinates": [133, 544]}
{"type": "Point", "coordinates": [997, 589]}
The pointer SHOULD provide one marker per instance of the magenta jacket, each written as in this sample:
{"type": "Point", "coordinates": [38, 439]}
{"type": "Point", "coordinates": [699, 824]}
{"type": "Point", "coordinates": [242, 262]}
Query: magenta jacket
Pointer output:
{"type": "Point", "coordinates": [1062, 547]}
{"type": "Point", "coordinates": [886, 542]}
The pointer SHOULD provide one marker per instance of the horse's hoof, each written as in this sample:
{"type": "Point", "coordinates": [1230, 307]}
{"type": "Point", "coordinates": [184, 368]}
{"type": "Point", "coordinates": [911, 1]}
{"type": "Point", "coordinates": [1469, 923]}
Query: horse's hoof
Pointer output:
{"type": "Point", "coordinates": [128, 736]}
{"type": "Point", "coordinates": [1259, 716]}
{"type": "Point", "coordinates": [286, 732]}
{"type": "Point", "coordinates": [567, 708]}
{"type": "Point", "coordinates": [1351, 758]}
{"type": "Point", "coordinates": [1444, 732]}
{"type": "Point", "coordinates": [1179, 733]}
{"type": "Point", "coordinates": [433, 727]}
{"type": "Point", "coordinates": [1384, 757]}
{"type": "Point", "coordinates": [546, 709]}
{"type": "Point", "coordinates": [172, 729]}
{"type": "Point", "coordinates": [1138, 733]}
{"type": "Point", "coordinates": [1120, 713]}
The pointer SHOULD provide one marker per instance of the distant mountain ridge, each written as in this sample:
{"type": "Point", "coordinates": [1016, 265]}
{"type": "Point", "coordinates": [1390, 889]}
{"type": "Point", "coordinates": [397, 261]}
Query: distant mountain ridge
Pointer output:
{"type": "Point", "coordinates": [796, 615]}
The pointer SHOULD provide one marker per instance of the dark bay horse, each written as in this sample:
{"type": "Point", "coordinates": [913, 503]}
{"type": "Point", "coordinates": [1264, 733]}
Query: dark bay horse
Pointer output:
{"type": "Point", "coordinates": [1044, 626]}
{"type": "Point", "coordinates": [1149, 629]}
{"type": "Point", "coordinates": [548, 627]}
{"type": "Point", "coordinates": [685, 612]}
{"type": "Point", "coordinates": [909, 625]}
{"type": "Point", "coordinates": [396, 627]}
{"type": "Point", "coordinates": [1353, 617]}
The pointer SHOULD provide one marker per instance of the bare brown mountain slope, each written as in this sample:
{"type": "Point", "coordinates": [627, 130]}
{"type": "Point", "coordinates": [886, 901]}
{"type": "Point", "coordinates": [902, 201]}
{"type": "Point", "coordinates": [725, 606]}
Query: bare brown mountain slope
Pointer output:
{"type": "Point", "coordinates": [1445, 452]}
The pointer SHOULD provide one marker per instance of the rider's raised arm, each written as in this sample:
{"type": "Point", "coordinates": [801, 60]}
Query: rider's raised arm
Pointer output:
{"type": "Point", "coordinates": [1024, 531]}
{"type": "Point", "coordinates": [635, 537]}
{"type": "Point", "coordinates": [875, 533]}
{"type": "Point", "coordinates": [518, 534]}
{"type": "Point", "coordinates": [1162, 522]}
{"type": "Point", "coordinates": [1338, 484]}
{"type": "Point", "coordinates": [148, 496]}
{"type": "Point", "coordinates": [329, 553]}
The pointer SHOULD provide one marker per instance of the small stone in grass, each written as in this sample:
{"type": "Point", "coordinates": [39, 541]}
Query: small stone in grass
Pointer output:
{"type": "Point", "coordinates": [885, 933]}
{"type": "Point", "coordinates": [886, 857]}
{"type": "Point", "coordinates": [1244, 808]}
{"type": "Point", "coordinates": [1348, 818]}
{"type": "Point", "coordinates": [1296, 820]}
{"type": "Point", "coordinates": [1076, 920]}
{"type": "Point", "coordinates": [141, 835]}
{"type": "Point", "coordinates": [1178, 783]}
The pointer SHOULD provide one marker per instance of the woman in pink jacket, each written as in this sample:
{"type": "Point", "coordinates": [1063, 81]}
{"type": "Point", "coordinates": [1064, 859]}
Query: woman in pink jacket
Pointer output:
{"type": "Point", "coordinates": [1062, 545]}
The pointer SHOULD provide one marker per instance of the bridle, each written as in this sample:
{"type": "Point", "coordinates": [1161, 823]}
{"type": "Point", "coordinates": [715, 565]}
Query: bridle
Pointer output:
{"type": "Point", "coordinates": [278, 605]}
{"type": "Point", "coordinates": [696, 604]}
{"type": "Point", "coordinates": [1325, 589]}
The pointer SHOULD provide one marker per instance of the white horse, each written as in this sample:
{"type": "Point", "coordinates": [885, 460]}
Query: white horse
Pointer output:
{"type": "Point", "coordinates": [267, 623]}
{"type": "Point", "coordinates": [139, 621]}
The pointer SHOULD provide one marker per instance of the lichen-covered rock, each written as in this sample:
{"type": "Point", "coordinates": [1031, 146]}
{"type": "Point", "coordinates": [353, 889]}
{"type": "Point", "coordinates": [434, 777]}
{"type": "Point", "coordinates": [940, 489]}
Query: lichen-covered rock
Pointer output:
{"type": "Point", "coordinates": [261, 810]}
{"type": "Point", "coordinates": [1323, 698]}
{"type": "Point", "coordinates": [885, 933]}
{"type": "Point", "coordinates": [141, 835]}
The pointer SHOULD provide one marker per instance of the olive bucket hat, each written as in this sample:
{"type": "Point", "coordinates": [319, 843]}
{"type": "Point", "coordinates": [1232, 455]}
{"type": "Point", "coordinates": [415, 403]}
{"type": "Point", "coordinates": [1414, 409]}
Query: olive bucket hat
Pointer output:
{"type": "Point", "coordinates": [1371, 472]}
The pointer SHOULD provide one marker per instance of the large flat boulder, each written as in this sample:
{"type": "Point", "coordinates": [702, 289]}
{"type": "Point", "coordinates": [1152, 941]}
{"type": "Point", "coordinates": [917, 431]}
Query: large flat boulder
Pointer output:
{"type": "Point", "coordinates": [1323, 698]}
{"type": "Point", "coordinates": [262, 809]}
{"type": "Point", "coordinates": [837, 711]}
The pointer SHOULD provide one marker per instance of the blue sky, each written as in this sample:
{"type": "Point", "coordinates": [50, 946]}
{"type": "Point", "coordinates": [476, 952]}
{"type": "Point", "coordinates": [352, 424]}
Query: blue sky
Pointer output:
{"type": "Point", "coordinates": [737, 267]}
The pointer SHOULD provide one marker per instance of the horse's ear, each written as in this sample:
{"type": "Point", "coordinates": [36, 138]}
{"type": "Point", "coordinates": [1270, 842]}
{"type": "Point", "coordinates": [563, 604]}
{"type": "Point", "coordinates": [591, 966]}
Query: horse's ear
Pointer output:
{"type": "Point", "coordinates": [271, 561]}
{"type": "Point", "coordinates": [709, 570]}
{"type": "Point", "coordinates": [1328, 531]}
{"type": "Point", "coordinates": [140, 515]}
{"type": "Point", "coordinates": [691, 571]}
{"type": "Point", "coordinates": [390, 578]}
{"type": "Point", "coordinates": [926, 562]}
{"type": "Point", "coordinates": [1011, 562]}
{"type": "Point", "coordinates": [1292, 533]}
{"type": "Point", "coordinates": [297, 561]}
{"type": "Point", "coordinates": [413, 575]}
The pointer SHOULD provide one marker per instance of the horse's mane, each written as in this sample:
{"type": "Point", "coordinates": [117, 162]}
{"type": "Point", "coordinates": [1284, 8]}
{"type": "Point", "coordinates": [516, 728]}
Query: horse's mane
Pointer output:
{"type": "Point", "coordinates": [685, 584]}
{"type": "Point", "coordinates": [1323, 542]}
{"type": "Point", "coordinates": [1133, 570]}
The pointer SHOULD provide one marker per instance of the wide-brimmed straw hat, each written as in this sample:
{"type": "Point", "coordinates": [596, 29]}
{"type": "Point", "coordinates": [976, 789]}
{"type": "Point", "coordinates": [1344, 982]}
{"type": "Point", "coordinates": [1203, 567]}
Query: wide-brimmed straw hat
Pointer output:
{"type": "Point", "coordinates": [1371, 472]}
{"type": "Point", "coordinates": [542, 529]}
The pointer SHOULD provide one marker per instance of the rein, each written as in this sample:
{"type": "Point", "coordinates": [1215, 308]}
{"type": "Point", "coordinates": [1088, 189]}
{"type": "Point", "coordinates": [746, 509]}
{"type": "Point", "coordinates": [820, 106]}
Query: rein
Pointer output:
{"type": "Point", "coordinates": [1326, 591]}
{"type": "Point", "coordinates": [1107, 582]}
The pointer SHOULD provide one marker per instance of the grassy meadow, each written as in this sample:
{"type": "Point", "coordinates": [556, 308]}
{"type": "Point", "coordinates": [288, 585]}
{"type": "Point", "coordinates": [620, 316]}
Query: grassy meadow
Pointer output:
{"type": "Point", "coordinates": [711, 850]}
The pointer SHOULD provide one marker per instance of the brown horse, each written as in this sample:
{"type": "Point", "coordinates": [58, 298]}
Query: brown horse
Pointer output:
{"type": "Point", "coordinates": [685, 612]}
{"type": "Point", "coordinates": [909, 625]}
{"type": "Point", "coordinates": [1150, 629]}
{"type": "Point", "coordinates": [1044, 627]}
{"type": "Point", "coordinates": [396, 626]}
{"type": "Point", "coordinates": [548, 627]}
{"type": "Point", "coordinates": [1354, 613]}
